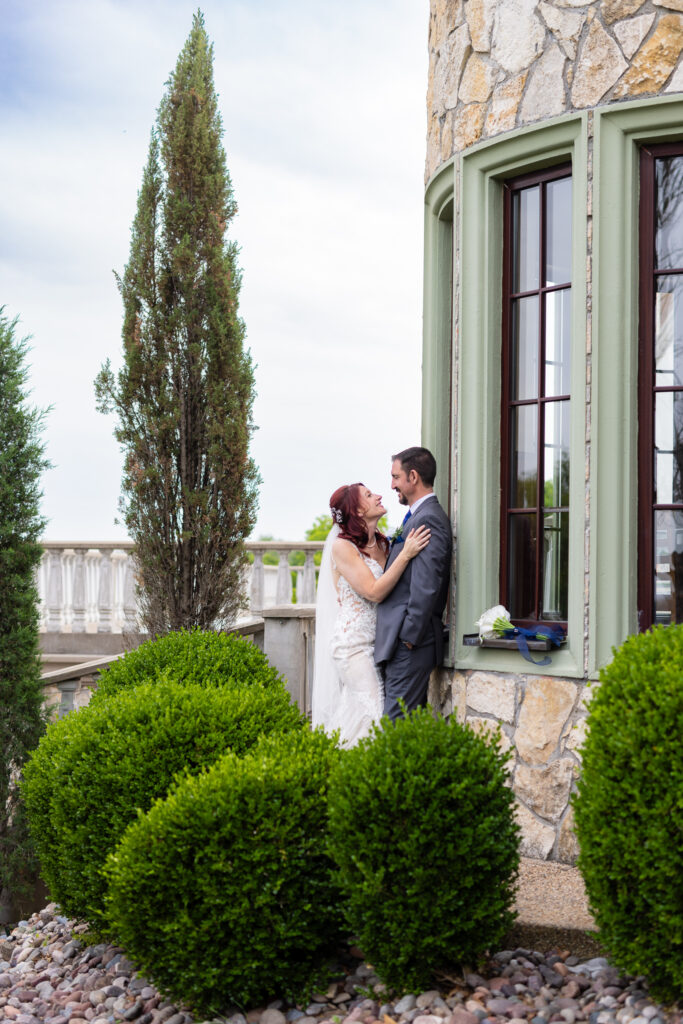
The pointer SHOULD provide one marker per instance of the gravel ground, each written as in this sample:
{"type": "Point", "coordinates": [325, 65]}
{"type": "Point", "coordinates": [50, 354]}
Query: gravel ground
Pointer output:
{"type": "Point", "coordinates": [48, 976]}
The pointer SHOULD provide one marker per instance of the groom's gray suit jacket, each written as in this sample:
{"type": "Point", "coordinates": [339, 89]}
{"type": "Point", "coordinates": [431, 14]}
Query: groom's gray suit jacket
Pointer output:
{"type": "Point", "coordinates": [412, 611]}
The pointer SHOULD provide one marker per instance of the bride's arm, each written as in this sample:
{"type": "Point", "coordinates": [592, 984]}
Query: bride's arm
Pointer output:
{"type": "Point", "coordinates": [353, 568]}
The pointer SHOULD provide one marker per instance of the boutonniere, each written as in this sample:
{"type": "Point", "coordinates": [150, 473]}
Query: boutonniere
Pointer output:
{"type": "Point", "coordinates": [397, 536]}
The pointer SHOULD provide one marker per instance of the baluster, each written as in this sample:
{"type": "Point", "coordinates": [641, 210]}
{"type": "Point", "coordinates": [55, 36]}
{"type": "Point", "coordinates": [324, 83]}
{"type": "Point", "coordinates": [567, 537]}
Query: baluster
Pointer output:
{"type": "Point", "coordinates": [119, 559]}
{"type": "Point", "coordinates": [308, 580]}
{"type": "Point", "coordinates": [41, 587]}
{"type": "Point", "coordinates": [55, 591]}
{"type": "Point", "coordinates": [104, 594]}
{"type": "Point", "coordinates": [92, 562]}
{"type": "Point", "coordinates": [68, 609]}
{"type": "Point", "coordinates": [257, 589]}
{"type": "Point", "coordinates": [283, 593]}
{"type": "Point", "coordinates": [130, 604]}
{"type": "Point", "coordinates": [78, 593]}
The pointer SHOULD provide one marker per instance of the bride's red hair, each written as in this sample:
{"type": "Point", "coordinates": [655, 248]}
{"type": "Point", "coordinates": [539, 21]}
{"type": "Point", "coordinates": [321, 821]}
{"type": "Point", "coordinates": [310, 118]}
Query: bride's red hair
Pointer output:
{"type": "Point", "coordinates": [344, 505]}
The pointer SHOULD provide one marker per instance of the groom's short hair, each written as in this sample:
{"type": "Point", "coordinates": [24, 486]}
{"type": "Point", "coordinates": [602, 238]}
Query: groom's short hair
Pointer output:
{"type": "Point", "coordinates": [419, 459]}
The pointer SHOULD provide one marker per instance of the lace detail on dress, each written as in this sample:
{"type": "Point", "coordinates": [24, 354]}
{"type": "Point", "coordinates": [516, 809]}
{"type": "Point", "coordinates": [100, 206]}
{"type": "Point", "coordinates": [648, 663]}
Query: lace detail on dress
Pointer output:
{"type": "Point", "coordinates": [362, 692]}
{"type": "Point", "coordinates": [357, 617]}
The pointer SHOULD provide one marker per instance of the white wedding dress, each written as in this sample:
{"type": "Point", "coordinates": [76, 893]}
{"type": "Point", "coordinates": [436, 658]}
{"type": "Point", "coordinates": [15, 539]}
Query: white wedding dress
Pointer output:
{"type": "Point", "coordinates": [347, 688]}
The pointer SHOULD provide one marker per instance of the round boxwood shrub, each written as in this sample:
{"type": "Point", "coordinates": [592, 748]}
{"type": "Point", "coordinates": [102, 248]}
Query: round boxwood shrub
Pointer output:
{"type": "Point", "coordinates": [95, 768]}
{"type": "Point", "coordinates": [423, 831]}
{"type": "Point", "coordinates": [629, 809]}
{"type": "Point", "coordinates": [191, 656]}
{"type": "Point", "coordinates": [223, 892]}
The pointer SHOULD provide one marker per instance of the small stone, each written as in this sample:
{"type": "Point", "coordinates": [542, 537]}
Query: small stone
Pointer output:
{"type": "Point", "coordinates": [406, 1003]}
{"type": "Point", "coordinates": [134, 1011]}
{"type": "Point", "coordinates": [314, 1009]}
{"type": "Point", "coordinates": [461, 1016]}
{"type": "Point", "coordinates": [426, 999]}
{"type": "Point", "coordinates": [428, 1018]}
{"type": "Point", "coordinates": [272, 1016]}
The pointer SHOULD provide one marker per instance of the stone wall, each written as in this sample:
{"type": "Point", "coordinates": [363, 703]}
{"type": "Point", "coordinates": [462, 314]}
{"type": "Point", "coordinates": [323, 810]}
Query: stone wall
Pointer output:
{"type": "Point", "coordinates": [495, 65]}
{"type": "Point", "coordinates": [542, 721]}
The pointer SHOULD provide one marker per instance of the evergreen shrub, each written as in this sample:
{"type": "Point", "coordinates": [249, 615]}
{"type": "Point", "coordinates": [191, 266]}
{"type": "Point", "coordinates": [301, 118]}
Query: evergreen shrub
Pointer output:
{"type": "Point", "coordinates": [423, 831]}
{"type": "Point", "coordinates": [96, 768]}
{"type": "Point", "coordinates": [629, 809]}
{"type": "Point", "coordinates": [196, 656]}
{"type": "Point", "coordinates": [223, 892]}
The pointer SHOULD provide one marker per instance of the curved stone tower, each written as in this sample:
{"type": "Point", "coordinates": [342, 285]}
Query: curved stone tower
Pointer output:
{"type": "Point", "coordinates": [495, 65]}
{"type": "Point", "coordinates": [553, 357]}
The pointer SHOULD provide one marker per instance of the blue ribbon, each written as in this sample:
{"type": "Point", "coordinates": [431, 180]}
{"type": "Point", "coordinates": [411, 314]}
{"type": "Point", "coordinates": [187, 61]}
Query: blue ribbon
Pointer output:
{"type": "Point", "coordinates": [522, 636]}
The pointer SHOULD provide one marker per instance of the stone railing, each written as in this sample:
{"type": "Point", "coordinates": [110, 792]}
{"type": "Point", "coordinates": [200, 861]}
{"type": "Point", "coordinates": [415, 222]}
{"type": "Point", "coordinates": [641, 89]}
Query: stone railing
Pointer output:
{"type": "Point", "coordinates": [86, 587]}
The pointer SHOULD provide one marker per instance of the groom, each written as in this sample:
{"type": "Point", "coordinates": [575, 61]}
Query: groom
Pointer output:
{"type": "Point", "coordinates": [409, 640]}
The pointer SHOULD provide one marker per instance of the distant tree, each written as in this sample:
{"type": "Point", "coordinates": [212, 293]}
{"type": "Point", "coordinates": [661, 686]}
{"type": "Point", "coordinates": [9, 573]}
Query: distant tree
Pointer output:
{"type": "Point", "coordinates": [320, 528]}
{"type": "Point", "coordinates": [22, 719]}
{"type": "Point", "coordinates": [184, 395]}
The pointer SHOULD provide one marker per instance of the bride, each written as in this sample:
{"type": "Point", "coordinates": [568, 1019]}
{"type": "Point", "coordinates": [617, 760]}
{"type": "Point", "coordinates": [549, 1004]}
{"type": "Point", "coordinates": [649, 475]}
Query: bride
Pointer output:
{"type": "Point", "coordinates": [347, 688]}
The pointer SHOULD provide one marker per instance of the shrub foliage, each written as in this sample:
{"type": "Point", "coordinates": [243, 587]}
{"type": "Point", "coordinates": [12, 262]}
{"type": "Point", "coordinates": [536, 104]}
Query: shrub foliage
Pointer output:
{"type": "Point", "coordinates": [95, 768]}
{"type": "Point", "coordinates": [205, 658]}
{"type": "Point", "coordinates": [223, 892]}
{"type": "Point", "coordinates": [629, 809]}
{"type": "Point", "coordinates": [21, 525]}
{"type": "Point", "coordinates": [422, 828]}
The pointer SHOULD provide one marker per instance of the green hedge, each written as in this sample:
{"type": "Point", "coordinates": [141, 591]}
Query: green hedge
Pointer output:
{"type": "Point", "coordinates": [195, 656]}
{"type": "Point", "coordinates": [629, 809]}
{"type": "Point", "coordinates": [223, 891]}
{"type": "Point", "coordinates": [95, 768]}
{"type": "Point", "coordinates": [422, 828]}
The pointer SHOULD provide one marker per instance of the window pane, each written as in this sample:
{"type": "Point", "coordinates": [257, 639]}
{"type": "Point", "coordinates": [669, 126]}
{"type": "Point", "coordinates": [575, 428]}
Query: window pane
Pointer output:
{"type": "Point", "coordinates": [555, 565]}
{"type": "Point", "coordinates": [556, 455]}
{"type": "Point", "coordinates": [668, 581]}
{"type": "Point", "coordinates": [525, 238]}
{"type": "Point", "coordinates": [524, 457]}
{"type": "Point", "coordinates": [669, 447]}
{"type": "Point", "coordinates": [668, 331]}
{"type": "Point", "coordinates": [669, 213]}
{"type": "Point", "coordinates": [558, 244]}
{"type": "Point", "coordinates": [522, 566]}
{"type": "Point", "coordinates": [557, 341]}
{"type": "Point", "coordinates": [524, 363]}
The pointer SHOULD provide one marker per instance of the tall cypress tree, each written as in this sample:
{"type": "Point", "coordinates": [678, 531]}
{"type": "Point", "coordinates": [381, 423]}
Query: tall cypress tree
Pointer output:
{"type": "Point", "coordinates": [21, 697]}
{"type": "Point", "coordinates": [184, 395]}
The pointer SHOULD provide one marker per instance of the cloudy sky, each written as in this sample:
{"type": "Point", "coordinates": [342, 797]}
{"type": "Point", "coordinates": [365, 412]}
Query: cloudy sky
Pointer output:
{"type": "Point", "coordinates": [323, 106]}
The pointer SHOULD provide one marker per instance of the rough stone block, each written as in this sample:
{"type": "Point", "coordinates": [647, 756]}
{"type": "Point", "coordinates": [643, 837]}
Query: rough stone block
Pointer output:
{"type": "Point", "coordinates": [545, 94]}
{"type": "Point", "coordinates": [487, 727]}
{"type": "Point", "coordinates": [545, 789]}
{"type": "Point", "coordinates": [537, 839]}
{"type": "Point", "coordinates": [599, 65]}
{"type": "Point", "coordinates": [546, 706]}
{"type": "Point", "coordinates": [655, 60]}
{"type": "Point", "coordinates": [492, 694]}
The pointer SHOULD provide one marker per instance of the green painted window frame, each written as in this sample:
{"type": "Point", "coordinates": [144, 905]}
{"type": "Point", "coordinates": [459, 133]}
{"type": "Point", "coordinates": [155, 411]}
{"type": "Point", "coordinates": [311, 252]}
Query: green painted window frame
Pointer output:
{"type": "Point", "coordinates": [619, 132]}
{"type": "Point", "coordinates": [478, 177]}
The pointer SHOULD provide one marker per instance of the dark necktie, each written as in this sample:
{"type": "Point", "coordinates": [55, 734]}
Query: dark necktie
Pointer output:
{"type": "Point", "coordinates": [406, 518]}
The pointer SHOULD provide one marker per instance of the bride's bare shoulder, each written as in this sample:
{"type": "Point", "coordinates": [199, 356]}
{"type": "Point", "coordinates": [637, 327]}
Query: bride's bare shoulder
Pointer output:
{"type": "Point", "coordinates": [344, 549]}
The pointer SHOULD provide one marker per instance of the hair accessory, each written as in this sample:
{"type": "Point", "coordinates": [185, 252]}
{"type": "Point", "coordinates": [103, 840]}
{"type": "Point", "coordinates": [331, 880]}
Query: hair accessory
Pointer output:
{"type": "Point", "coordinates": [337, 516]}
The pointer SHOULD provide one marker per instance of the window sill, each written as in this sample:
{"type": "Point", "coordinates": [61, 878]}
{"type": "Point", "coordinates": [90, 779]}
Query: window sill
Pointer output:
{"type": "Point", "coordinates": [505, 644]}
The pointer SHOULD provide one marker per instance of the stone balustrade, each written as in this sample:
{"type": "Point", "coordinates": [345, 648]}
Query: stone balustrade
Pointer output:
{"type": "Point", "coordinates": [87, 587]}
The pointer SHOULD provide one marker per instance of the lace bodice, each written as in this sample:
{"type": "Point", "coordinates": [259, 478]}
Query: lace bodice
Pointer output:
{"type": "Point", "coordinates": [356, 616]}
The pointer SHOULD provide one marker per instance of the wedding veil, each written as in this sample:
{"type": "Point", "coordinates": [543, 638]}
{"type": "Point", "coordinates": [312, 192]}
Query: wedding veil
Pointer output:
{"type": "Point", "coordinates": [326, 690]}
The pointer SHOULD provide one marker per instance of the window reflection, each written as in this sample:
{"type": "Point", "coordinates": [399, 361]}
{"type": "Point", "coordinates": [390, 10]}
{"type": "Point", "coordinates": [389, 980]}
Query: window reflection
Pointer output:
{"type": "Point", "coordinates": [669, 213]}
{"type": "Point", "coordinates": [525, 243]}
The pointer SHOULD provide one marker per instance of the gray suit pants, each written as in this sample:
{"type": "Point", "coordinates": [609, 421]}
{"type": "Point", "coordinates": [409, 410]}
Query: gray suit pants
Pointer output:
{"type": "Point", "coordinates": [406, 677]}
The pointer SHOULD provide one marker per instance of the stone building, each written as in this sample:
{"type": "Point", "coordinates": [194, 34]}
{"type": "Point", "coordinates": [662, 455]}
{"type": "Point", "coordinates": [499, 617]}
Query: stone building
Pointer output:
{"type": "Point", "coordinates": [553, 355]}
